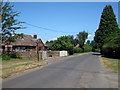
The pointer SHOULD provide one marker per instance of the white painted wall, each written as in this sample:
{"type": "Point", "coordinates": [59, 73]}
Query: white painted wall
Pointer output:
{"type": "Point", "coordinates": [44, 55]}
{"type": "Point", "coordinates": [63, 53]}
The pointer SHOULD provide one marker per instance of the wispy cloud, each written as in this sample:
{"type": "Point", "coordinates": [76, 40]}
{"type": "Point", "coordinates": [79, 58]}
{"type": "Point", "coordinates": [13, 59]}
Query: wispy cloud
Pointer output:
{"type": "Point", "coordinates": [89, 35]}
{"type": "Point", "coordinates": [53, 39]}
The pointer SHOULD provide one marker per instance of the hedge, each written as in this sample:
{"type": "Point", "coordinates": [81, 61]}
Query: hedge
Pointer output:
{"type": "Point", "coordinates": [112, 49]}
{"type": "Point", "coordinates": [77, 50]}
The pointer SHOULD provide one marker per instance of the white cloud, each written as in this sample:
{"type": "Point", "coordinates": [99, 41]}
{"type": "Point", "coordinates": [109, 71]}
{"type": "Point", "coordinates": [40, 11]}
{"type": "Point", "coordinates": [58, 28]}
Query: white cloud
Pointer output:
{"type": "Point", "coordinates": [89, 35]}
{"type": "Point", "coordinates": [53, 39]}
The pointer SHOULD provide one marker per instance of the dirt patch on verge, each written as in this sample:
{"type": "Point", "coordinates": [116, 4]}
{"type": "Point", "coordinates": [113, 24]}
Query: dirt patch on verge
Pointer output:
{"type": "Point", "coordinates": [111, 64]}
{"type": "Point", "coordinates": [22, 68]}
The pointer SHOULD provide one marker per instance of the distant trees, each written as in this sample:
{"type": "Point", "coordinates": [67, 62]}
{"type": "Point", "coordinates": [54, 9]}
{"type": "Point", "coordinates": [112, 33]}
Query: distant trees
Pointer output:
{"type": "Point", "coordinates": [69, 43]}
{"type": "Point", "coordinates": [63, 43]}
{"type": "Point", "coordinates": [77, 50]}
{"type": "Point", "coordinates": [88, 42]}
{"type": "Point", "coordinates": [81, 37]}
{"type": "Point", "coordinates": [9, 23]}
{"type": "Point", "coordinates": [49, 43]}
{"type": "Point", "coordinates": [107, 36]}
{"type": "Point", "coordinates": [94, 45]}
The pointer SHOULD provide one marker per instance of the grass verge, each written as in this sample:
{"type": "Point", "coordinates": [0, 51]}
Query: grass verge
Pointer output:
{"type": "Point", "coordinates": [15, 70]}
{"type": "Point", "coordinates": [16, 60]}
{"type": "Point", "coordinates": [15, 66]}
{"type": "Point", "coordinates": [81, 53]}
{"type": "Point", "coordinates": [110, 63]}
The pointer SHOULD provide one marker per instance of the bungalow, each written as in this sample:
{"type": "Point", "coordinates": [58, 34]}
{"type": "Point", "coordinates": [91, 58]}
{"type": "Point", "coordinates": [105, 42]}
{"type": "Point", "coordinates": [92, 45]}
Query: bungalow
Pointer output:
{"type": "Point", "coordinates": [25, 43]}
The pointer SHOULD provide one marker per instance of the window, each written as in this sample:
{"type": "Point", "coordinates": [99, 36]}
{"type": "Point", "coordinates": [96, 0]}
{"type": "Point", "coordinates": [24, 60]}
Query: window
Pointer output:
{"type": "Point", "coordinates": [39, 48]}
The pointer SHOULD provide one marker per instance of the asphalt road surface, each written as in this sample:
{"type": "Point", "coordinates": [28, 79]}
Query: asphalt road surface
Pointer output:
{"type": "Point", "coordinates": [83, 71]}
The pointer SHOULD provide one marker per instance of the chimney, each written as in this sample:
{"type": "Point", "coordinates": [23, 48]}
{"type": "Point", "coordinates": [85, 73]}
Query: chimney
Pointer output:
{"type": "Point", "coordinates": [35, 36]}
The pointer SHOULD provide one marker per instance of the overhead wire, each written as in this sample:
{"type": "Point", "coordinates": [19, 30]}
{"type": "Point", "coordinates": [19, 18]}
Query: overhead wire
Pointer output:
{"type": "Point", "coordinates": [48, 29]}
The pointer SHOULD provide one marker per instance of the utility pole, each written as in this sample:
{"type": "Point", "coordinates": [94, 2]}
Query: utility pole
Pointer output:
{"type": "Point", "coordinates": [37, 50]}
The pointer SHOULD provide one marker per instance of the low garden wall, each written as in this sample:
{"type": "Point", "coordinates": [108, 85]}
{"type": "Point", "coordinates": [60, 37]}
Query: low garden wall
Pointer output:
{"type": "Point", "coordinates": [42, 54]}
{"type": "Point", "coordinates": [29, 55]}
{"type": "Point", "coordinates": [52, 53]}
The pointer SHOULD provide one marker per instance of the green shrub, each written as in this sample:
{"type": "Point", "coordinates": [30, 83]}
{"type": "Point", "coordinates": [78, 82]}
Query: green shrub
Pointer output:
{"type": "Point", "coordinates": [95, 50]}
{"type": "Point", "coordinates": [77, 50]}
{"type": "Point", "coordinates": [111, 49]}
{"type": "Point", "coordinates": [87, 49]}
{"type": "Point", "coordinates": [5, 57]}
{"type": "Point", "coordinates": [15, 55]}
{"type": "Point", "coordinates": [9, 55]}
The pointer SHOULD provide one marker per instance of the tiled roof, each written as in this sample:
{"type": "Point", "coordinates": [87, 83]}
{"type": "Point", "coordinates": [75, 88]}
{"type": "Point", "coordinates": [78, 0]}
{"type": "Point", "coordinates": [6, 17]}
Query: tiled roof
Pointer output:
{"type": "Point", "coordinates": [27, 40]}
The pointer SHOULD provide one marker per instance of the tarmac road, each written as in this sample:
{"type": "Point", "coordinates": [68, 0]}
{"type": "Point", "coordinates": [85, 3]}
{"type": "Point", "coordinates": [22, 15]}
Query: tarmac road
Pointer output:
{"type": "Point", "coordinates": [83, 71]}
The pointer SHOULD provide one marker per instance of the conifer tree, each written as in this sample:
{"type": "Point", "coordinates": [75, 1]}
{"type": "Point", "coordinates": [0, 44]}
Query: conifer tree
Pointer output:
{"type": "Point", "coordinates": [108, 25]}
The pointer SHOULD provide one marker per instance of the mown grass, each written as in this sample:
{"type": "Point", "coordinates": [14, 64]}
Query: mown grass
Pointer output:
{"type": "Point", "coordinates": [18, 69]}
{"type": "Point", "coordinates": [15, 59]}
{"type": "Point", "coordinates": [81, 53]}
{"type": "Point", "coordinates": [18, 60]}
{"type": "Point", "coordinates": [15, 66]}
{"type": "Point", "coordinates": [110, 63]}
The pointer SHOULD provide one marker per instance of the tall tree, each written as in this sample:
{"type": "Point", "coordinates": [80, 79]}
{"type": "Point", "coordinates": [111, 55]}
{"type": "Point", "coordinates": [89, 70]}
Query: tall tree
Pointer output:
{"type": "Point", "coordinates": [73, 41]}
{"type": "Point", "coordinates": [63, 43]}
{"type": "Point", "coordinates": [9, 23]}
{"type": "Point", "coordinates": [107, 26]}
{"type": "Point", "coordinates": [82, 36]}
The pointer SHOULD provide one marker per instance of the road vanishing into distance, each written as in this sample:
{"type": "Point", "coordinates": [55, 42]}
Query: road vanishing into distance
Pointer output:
{"type": "Point", "coordinates": [85, 71]}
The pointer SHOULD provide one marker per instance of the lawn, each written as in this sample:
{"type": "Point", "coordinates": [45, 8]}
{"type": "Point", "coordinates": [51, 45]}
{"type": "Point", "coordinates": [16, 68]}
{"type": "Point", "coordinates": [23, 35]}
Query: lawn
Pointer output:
{"type": "Point", "coordinates": [110, 63]}
{"type": "Point", "coordinates": [12, 61]}
{"type": "Point", "coordinates": [14, 66]}
{"type": "Point", "coordinates": [18, 66]}
{"type": "Point", "coordinates": [81, 53]}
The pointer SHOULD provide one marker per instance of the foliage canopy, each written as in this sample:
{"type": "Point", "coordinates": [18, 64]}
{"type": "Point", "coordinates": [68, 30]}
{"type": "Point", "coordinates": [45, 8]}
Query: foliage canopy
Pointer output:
{"type": "Point", "coordinates": [9, 23]}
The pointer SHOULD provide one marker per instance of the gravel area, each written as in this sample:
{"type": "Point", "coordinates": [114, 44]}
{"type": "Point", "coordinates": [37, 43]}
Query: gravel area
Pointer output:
{"type": "Point", "coordinates": [51, 60]}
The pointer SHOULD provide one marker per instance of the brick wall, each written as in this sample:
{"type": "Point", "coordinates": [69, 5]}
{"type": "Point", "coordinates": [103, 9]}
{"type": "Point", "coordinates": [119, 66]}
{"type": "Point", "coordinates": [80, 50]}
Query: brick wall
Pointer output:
{"type": "Point", "coordinates": [31, 55]}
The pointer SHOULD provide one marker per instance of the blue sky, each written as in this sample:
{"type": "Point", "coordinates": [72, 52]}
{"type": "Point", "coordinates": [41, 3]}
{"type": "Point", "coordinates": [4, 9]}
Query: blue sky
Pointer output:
{"type": "Point", "coordinates": [61, 16]}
